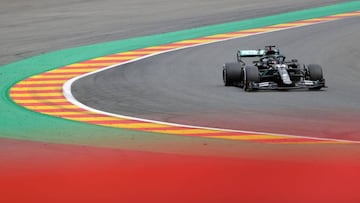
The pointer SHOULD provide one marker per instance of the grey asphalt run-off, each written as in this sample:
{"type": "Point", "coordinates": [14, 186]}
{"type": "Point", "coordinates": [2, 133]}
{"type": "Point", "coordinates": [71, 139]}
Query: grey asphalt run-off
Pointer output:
{"type": "Point", "coordinates": [186, 86]}
{"type": "Point", "coordinates": [34, 27]}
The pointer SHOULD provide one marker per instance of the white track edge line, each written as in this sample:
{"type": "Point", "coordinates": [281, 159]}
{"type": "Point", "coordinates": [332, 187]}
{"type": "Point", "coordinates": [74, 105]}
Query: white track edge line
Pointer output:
{"type": "Point", "coordinates": [69, 96]}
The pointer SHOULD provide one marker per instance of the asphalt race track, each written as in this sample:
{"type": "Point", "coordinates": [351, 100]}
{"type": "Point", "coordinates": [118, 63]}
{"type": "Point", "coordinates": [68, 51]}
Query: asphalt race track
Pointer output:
{"type": "Point", "coordinates": [186, 86]}
{"type": "Point", "coordinates": [33, 27]}
{"type": "Point", "coordinates": [49, 159]}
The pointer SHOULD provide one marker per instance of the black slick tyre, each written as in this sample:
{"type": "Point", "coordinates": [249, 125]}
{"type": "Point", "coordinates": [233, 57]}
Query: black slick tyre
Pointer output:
{"type": "Point", "coordinates": [315, 74]}
{"type": "Point", "coordinates": [232, 74]}
{"type": "Point", "coordinates": [251, 75]}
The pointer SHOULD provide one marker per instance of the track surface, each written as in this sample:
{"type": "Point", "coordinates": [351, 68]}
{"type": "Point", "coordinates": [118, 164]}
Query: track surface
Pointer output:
{"type": "Point", "coordinates": [33, 27]}
{"type": "Point", "coordinates": [186, 86]}
{"type": "Point", "coordinates": [43, 172]}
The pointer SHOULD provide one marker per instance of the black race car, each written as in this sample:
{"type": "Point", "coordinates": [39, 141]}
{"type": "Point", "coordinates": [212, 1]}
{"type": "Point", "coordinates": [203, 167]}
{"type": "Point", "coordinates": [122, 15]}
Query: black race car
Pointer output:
{"type": "Point", "coordinates": [271, 70]}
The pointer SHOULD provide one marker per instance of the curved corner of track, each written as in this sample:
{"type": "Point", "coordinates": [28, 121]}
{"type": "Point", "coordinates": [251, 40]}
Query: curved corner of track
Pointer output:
{"type": "Point", "coordinates": [50, 92]}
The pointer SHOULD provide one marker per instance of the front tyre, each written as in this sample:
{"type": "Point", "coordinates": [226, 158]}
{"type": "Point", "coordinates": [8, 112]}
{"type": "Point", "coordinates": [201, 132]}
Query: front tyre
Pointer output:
{"type": "Point", "coordinates": [251, 76]}
{"type": "Point", "coordinates": [232, 74]}
{"type": "Point", "coordinates": [315, 74]}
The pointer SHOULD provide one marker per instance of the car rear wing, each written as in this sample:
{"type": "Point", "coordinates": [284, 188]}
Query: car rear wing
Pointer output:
{"type": "Point", "coordinates": [249, 53]}
{"type": "Point", "coordinates": [253, 53]}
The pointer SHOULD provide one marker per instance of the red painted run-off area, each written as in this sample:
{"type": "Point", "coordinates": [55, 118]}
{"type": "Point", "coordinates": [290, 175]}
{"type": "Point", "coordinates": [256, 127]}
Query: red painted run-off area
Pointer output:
{"type": "Point", "coordinates": [39, 172]}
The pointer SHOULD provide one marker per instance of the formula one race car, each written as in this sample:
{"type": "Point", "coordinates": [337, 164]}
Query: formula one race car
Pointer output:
{"type": "Point", "coordinates": [271, 71]}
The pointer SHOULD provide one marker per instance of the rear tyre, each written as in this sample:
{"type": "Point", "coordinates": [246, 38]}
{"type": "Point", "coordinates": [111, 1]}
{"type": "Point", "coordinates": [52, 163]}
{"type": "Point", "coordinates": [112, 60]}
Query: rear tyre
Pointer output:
{"type": "Point", "coordinates": [251, 75]}
{"type": "Point", "coordinates": [232, 74]}
{"type": "Point", "coordinates": [315, 74]}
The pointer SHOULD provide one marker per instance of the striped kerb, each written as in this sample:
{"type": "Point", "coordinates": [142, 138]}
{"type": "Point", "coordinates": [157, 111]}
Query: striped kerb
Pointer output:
{"type": "Point", "coordinates": [43, 93]}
